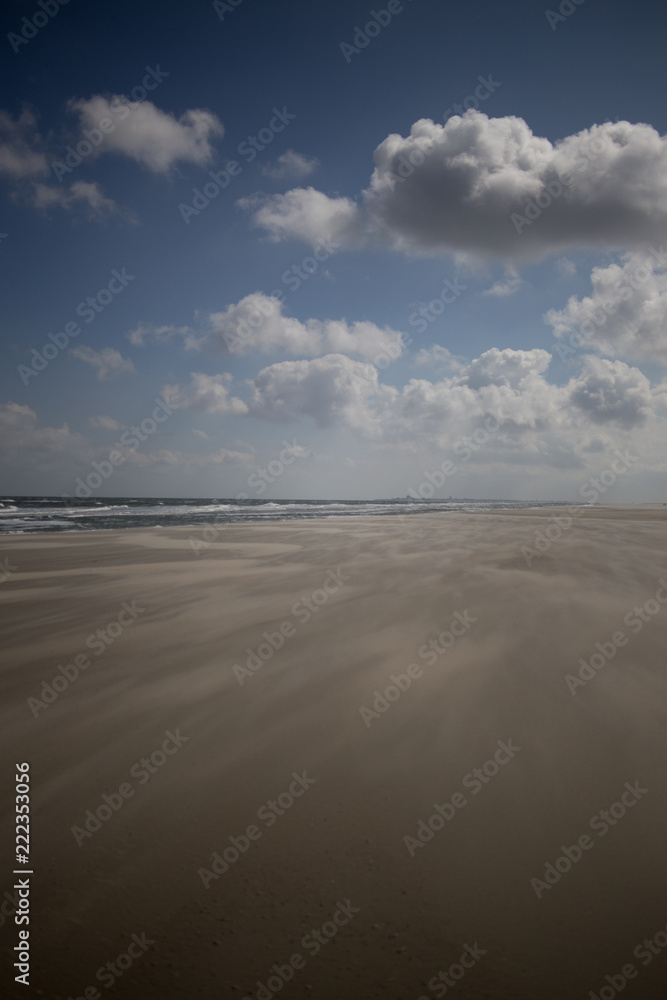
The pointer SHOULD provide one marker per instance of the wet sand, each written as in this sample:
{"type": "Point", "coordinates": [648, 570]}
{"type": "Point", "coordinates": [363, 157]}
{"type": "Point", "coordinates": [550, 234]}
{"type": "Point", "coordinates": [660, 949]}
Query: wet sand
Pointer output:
{"type": "Point", "coordinates": [246, 692]}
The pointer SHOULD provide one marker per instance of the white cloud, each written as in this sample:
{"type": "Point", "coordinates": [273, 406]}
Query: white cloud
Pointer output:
{"type": "Point", "coordinates": [507, 367]}
{"type": "Point", "coordinates": [291, 166]}
{"type": "Point", "coordinates": [552, 426]}
{"type": "Point", "coordinates": [152, 137]}
{"type": "Point", "coordinates": [456, 188]}
{"type": "Point", "coordinates": [107, 363]}
{"type": "Point", "coordinates": [209, 393]}
{"type": "Point", "coordinates": [306, 214]}
{"type": "Point", "coordinates": [626, 314]}
{"type": "Point", "coordinates": [501, 289]}
{"type": "Point", "coordinates": [611, 391]}
{"type": "Point", "coordinates": [257, 323]}
{"type": "Point", "coordinates": [333, 390]}
{"type": "Point", "coordinates": [105, 423]}
{"type": "Point", "coordinates": [145, 332]}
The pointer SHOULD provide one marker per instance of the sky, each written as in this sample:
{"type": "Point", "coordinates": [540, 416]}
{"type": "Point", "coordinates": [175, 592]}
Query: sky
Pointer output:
{"type": "Point", "coordinates": [334, 250]}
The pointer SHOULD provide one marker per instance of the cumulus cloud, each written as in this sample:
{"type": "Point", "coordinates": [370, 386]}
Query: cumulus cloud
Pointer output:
{"type": "Point", "coordinates": [153, 138]}
{"type": "Point", "coordinates": [626, 314]}
{"type": "Point", "coordinates": [468, 186]}
{"type": "Point", "coordinates": [508, 382]}
{"type": "Point", "coordinates": [553, 426]}
{"type": "Point", "coordinates": [611, 391]}
{"type": "Point", "coordinates": [508, 367]}
{"type": "Point", "coordinates": [256, 324]}
{"type": "Point", "coordinates": [308, 215]}
{"type": "Point", "coordinates": [333, 390]}
{"type": "Point", "coordinates": [107, 363]}
{"type": "Point", "coordinates": [290, 166]}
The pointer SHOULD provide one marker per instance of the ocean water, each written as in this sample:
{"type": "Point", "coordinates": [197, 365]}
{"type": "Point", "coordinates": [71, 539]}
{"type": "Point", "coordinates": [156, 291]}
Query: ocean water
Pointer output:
{"type": "Point", "coordinates": [31, 514]}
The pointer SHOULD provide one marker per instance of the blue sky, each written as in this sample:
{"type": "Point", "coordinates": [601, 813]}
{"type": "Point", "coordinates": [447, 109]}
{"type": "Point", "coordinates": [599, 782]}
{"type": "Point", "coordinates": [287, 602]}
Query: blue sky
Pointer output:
{"type": "Point", "coordinates": [370, 393]}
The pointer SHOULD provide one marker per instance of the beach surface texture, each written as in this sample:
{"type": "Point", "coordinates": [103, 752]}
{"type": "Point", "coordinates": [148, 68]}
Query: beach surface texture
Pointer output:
{"type": "Point", "coordinates": [343, 758]}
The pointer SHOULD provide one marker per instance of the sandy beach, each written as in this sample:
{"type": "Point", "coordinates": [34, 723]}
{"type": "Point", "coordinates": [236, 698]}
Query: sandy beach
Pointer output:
{"type": "Point", "coordinates": [358, 757]}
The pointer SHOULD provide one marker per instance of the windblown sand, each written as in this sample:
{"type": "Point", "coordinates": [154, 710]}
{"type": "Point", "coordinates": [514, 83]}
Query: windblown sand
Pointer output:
{"type": "Point", "coordinates": [392, 586]}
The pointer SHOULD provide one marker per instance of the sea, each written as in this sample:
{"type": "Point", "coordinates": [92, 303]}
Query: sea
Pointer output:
{"type": "Point", "coordinates": [23, 514]}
